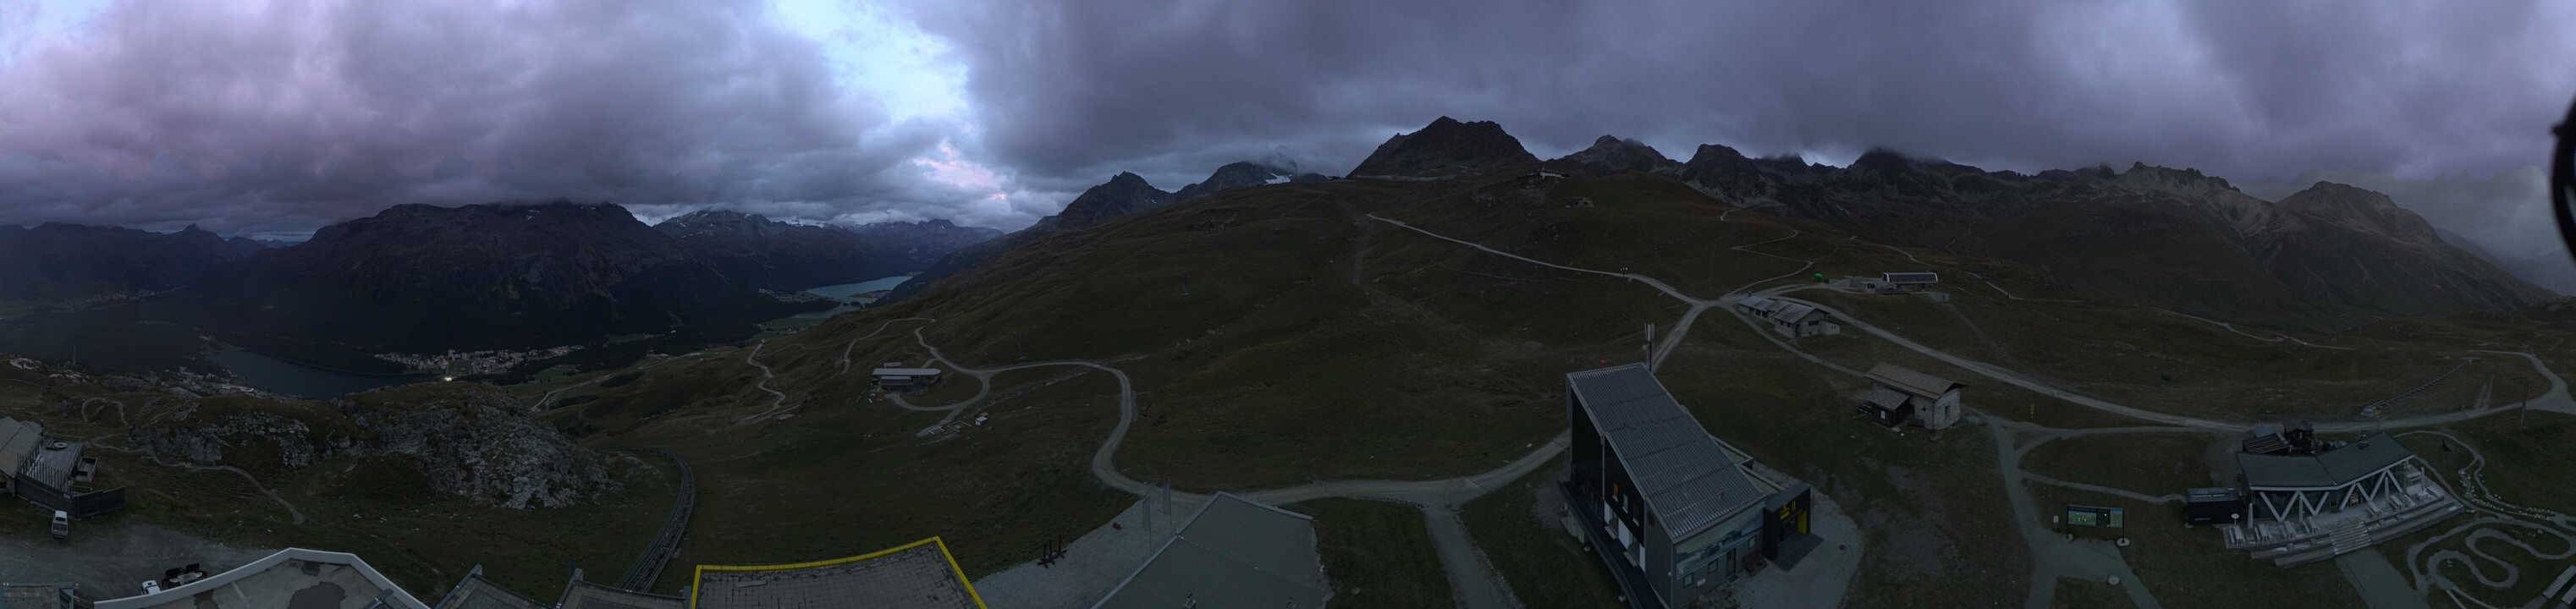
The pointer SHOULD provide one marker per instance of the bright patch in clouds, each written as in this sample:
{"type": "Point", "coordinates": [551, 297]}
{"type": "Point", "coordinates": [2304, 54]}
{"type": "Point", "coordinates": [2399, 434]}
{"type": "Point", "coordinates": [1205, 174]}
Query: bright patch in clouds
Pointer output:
{"type": "Point", "coordinates": [913, 74]}
{"type": "Point", "coordinates": [952, 169]}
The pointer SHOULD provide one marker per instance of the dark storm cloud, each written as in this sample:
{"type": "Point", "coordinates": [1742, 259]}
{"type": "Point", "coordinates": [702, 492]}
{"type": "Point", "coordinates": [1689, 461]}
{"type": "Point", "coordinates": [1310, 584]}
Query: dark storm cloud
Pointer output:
{"type": "Point", "coordinates": [1074, 91]}
{"type": "Point", "coordinates": [281, 116]}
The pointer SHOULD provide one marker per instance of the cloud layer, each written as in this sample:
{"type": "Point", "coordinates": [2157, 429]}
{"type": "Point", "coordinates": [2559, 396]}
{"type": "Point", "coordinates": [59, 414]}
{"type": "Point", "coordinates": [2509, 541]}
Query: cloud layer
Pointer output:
{"type": "Point", "coordinates": [279, 116]}
{"type": "Point", "coordinates": [282, 115]}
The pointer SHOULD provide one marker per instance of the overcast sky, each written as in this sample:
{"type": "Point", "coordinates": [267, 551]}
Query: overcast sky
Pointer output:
{"type": "Point", "coordinates": [273, 118]}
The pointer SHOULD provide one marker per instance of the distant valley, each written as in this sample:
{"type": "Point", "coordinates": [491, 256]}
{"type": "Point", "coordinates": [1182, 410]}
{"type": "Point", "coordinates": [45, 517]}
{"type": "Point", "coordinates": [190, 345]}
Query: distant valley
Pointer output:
{"type": "Point", "coordinates": [425, 279]}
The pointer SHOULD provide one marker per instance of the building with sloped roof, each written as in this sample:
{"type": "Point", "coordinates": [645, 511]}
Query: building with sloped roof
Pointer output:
{"type": "Point", "coordinates": [1899, 394]}
{"type": "Point", "coordinates": [918, 574]}
{"type": "Point", "coordinates": [1235, 552]}
{"type": "Point", "coordinates": [1673, 515]}
{"type": "Point", "coordinates": [1801, 320]}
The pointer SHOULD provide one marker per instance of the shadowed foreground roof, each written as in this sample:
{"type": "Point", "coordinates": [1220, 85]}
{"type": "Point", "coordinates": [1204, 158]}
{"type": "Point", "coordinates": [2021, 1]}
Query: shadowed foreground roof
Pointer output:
{"type": "Point", "coordinates": [918, 574]}
{"type": "Point", "coordinates": [1234, 553]}
{"type": "Point", "coordinates": [586, 595]}
{"type": "Point", "coordinates": [293, 578]}
{"type": "Point", "coordinates": [34, 596]}
{"type": "Point", "coordinates": [1682, 471]}
{"type": "Point", "coordinates": [475, 592]}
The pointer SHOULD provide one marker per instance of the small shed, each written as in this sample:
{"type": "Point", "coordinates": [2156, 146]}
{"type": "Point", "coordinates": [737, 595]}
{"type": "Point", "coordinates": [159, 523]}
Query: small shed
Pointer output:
{"type": "Point", "coordinates": [906, 378]}
{"type": "Point", "coordinates": [1927, 401]}
{"type": "Point", "coordinates": [2213, 505]}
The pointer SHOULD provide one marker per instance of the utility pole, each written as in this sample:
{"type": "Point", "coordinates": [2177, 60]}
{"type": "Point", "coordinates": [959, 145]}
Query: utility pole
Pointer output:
{"type": "Point", "coordinates": [1650, 346]}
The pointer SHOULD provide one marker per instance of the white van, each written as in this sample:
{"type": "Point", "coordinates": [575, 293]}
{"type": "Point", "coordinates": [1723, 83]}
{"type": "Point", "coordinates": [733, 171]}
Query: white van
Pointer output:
{"type": "Point", "coordinates": [62, 525]}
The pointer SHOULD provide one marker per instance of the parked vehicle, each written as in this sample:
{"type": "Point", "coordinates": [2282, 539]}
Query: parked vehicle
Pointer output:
{"type": "Point", "coordinates": [62, 526]}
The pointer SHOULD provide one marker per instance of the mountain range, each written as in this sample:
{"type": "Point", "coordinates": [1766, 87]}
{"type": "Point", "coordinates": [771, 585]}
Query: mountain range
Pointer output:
{"type": "Point", "coordinates": [55, 261]}
{"type": "Point", "coordinates": [1124, 194]}
{"type": "Point", "coordinates": [422, 278]}
{"type": "Point", "coordinates": [2174, 238]}
{"type": "Point", "coordinates": [779, 256]}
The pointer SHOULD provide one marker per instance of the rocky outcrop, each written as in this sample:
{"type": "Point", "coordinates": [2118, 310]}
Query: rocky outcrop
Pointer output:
{"type": "Point", "coordinates": [1125, 193]}
{"type": "Point", "coordinates": [1445, 148]}
{"type": "Point", "coordinates": [465, 439]}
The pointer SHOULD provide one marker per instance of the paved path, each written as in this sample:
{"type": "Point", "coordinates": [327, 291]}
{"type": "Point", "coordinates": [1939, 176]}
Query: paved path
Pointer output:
{"type": "Point", "coordinates": [111, 560]}
{"type": "Point", "coordinates": [2096, 488]}
{"type": "Point", "coordinates": [550, 395]}
{"type": "Point", "coordinates": [1474, 581]}
{"type": "Point", "coordinates": [845, 349]}
{"type": "Point", "coordinates": [777, 401]}
{"type": "Point", "coordinates": [2553, 400]}
{"type": "Point", "coordinates": [2499, 522]}
{"type": "Point", "coordinates": [2378, 583]}
{"type": "Point", "coordinates": [2274, 338]}
{"type": "Point", "coordinates": [2051, 555]}
{"type": "Point", "coordinates": [2016, 379]}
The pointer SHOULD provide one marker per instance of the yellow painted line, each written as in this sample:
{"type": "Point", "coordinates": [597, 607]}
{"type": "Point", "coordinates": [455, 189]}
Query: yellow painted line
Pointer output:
{"type": "Point", "coordinates": [698, 580]}
{"type": "Point", "coordinates": [961, 574]}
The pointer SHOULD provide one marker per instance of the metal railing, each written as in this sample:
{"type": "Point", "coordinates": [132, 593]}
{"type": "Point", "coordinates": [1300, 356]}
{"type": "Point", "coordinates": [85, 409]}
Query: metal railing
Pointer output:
{"type": "Point", "coordinates": [648, 567]}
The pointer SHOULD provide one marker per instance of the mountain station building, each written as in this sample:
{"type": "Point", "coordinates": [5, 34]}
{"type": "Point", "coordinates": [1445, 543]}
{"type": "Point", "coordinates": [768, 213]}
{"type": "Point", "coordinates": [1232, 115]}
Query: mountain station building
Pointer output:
{"type": "Point", "coordinates": [2311, 500]}
{"type": "Point", "coordinates": [1672, 511]}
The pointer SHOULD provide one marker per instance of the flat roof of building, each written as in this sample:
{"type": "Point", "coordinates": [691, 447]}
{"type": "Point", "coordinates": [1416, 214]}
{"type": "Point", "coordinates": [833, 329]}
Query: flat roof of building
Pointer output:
{"type": "Point", "coordinates": [1678, 466]}
{"type": "Point", "coordinates": [585, 595]}
{"type": "Point", "coordinates": [2343, 465]}
{"type": "Point", "coordinates": [1910, 381]}
{"type": "Point", "coordinates": [907, 372]}
{"type": "Point", "coordinates": [918, 574]}
{"type": "Point", "coordinates": [1235, 552]}
{"type": "Point", "coordinates": [293, 578]}
{"type": "Point", "coordinates": [17, 442]}
{"type": "Point", "coordinates": [1911, 277]}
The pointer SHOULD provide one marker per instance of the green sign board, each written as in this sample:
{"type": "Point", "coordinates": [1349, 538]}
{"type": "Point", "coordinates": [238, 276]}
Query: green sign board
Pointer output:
{"type": "Point", "coordinates": [2094, 516]}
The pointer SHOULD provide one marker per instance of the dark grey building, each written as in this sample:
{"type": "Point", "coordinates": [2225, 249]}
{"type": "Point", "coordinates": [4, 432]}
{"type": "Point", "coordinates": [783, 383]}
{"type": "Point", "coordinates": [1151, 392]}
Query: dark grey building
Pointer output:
{"type": "Point", "coordinates": [1235, 552]}
{"type": "Point", "coordinates": [1674, 513]}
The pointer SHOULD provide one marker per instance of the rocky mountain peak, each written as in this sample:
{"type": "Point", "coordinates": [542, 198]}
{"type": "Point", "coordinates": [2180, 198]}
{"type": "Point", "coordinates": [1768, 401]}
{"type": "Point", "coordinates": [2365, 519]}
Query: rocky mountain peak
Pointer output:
{"type": "Point", "coordinates": [1613, 154]}
{"type": "Point", "coordinates": [1234, 175]}
{"type": "Point", "coordinates": [1123, 194]}
{"type": "Point", "coordinates": [2166, 179]}
{"type": "Point", "coordinates": [2360, 209]}
{"type": "Point", "coordinates": [1445, 148]}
